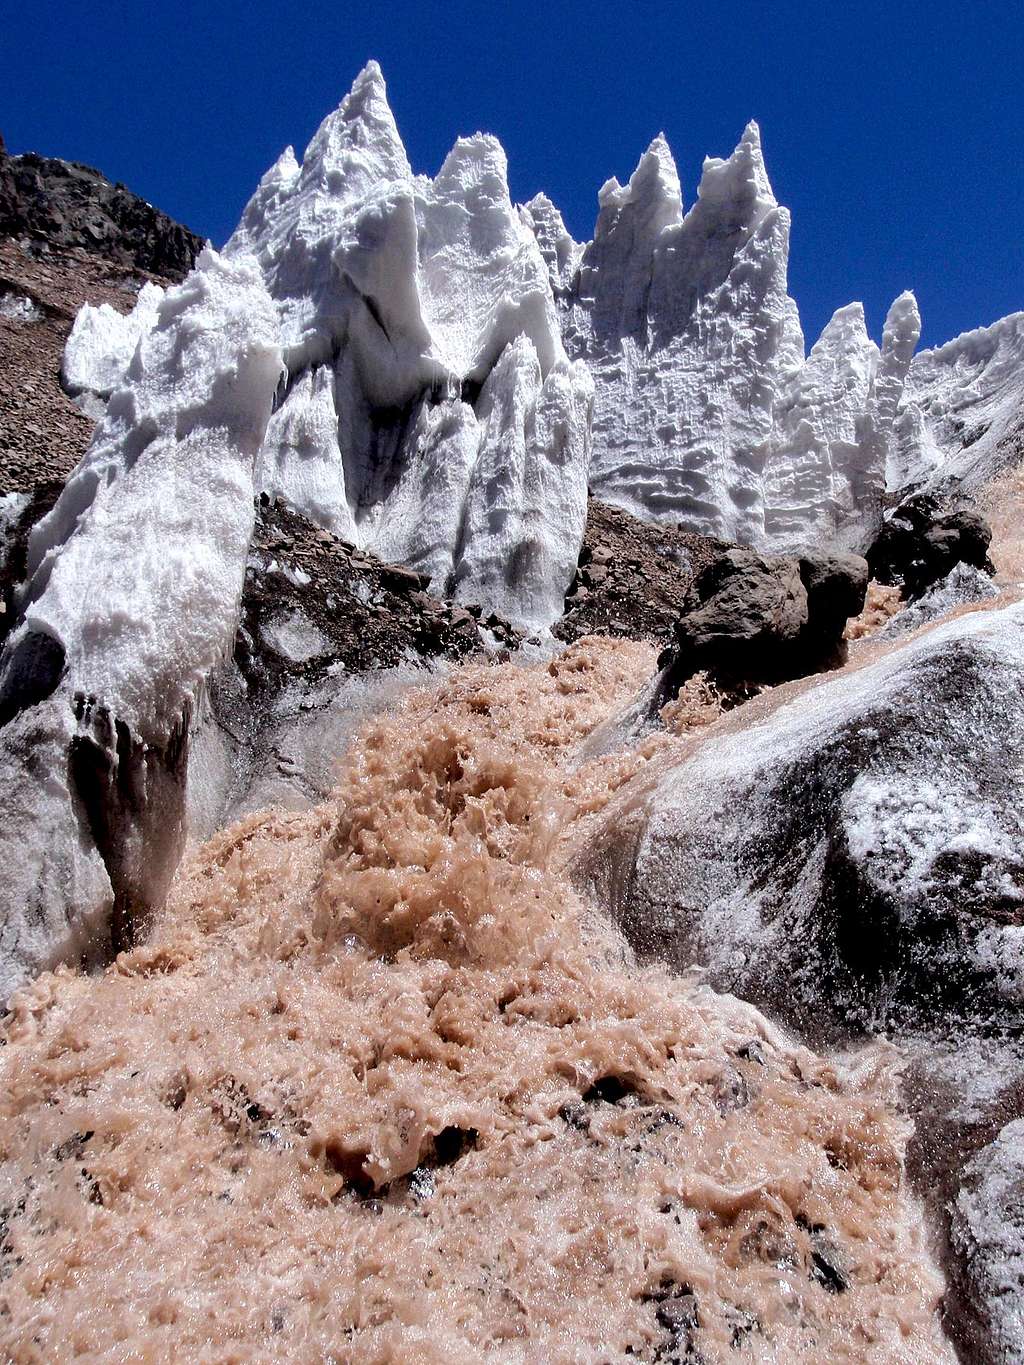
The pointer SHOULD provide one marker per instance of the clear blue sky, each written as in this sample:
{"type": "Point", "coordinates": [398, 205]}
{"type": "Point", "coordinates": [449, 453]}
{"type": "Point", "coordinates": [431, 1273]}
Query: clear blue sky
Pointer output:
{"type": "Point", "coordinates": [894, 131]}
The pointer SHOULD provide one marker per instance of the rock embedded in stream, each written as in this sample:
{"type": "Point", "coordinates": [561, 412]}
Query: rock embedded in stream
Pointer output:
{"type": "Point", "coordinates": [750, 620]}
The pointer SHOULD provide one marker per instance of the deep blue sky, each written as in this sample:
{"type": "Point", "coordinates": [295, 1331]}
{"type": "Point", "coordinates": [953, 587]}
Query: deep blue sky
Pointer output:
{"type": "Point", "coordinates": [894, 131]}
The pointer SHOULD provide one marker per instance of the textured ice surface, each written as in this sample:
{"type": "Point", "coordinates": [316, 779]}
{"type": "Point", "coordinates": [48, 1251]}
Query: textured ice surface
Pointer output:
{"type": "Point", "coordinates": [132, 596]}
{"type": "Point", "coordinates": [419, 330]}
{"type": "Point", "coordinates": [19, 308]}
{"type": "Point", "coordinates": [962, 407]}
{"type": "Point", "coordinates": [706, 412]}
{"type": "Point", "coordinates": [137, 571]}
{"type": "Point", "coordinates": [102, 342]}
{"type": "Point", "coordinates": [404, 302]}
{"type": "Point", "coordinates": [988, 1223]}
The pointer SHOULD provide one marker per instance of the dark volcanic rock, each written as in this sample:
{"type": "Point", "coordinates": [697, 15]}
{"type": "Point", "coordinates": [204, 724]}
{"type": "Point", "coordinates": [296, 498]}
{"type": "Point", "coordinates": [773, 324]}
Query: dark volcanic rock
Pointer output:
{"type": "Point", "coordinates": [312, 603]}
{"type": "Point", "coordinates": [43, 434]}
{"type": "Point", "coordinates": [749, 619]}
{"type": "Point", "coordinates": [65, 204]}
{"type": "Point", "coordinates": [327, 636]}
{"type": "Point", "coordinates": [924, 537]}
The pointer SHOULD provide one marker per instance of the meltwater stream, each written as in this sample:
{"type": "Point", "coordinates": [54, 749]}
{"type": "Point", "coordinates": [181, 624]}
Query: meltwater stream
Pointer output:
{"type": "Point", "coordinates": [379, 1086]}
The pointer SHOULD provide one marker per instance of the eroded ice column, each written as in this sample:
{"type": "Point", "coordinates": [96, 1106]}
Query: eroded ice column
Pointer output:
{"type": "Point", "coordinates": [135, 578]}
{"type": "Point", "coordinates": [813, 470]}
{"type": "Point", "coordinates": [527, 501]}
{"type": "Point", "coordinates": [962, 409]}
{"type": "Point", "coordinates": [686, 324]}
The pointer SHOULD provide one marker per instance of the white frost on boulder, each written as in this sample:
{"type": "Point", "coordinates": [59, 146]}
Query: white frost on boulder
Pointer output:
{"type": "Point", "coordinates": [134, 582]}
{"type": "Point", "coordinates": [102, 342]}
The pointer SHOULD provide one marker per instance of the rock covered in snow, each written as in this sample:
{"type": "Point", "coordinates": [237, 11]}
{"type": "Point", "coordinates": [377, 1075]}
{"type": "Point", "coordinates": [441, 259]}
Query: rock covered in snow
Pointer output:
{"type": "Point", "coordinates": [852, 851]}
{"type": "Point", "coordinates": [134, 579]}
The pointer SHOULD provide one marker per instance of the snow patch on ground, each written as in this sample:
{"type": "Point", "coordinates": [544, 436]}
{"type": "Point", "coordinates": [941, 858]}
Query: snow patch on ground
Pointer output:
{"type": "Point", "coordinates": [19, 308]}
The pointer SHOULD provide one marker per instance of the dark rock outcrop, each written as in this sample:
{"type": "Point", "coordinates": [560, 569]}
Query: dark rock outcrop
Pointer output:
{"type": "Point", "coordinates": [64, 204]}
{"type": "Point", "coordinates": [924, 537]}
{"type": "Point", "coordinates": [749, 620]}
{"type": "Point", "coordinates": [328, 634]}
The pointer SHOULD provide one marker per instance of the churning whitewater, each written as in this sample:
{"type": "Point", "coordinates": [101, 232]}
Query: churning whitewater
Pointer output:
{"type": "Point", "coordinates": [398, 968]}
{"type": "Point", "coordinates": [379, 1085]}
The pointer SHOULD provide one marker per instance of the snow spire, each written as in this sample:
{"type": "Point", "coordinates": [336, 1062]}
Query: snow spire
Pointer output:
{"type": "Point", "coordinates": [652, 200]}
{"type": "Point", "coordinates": [736, 192]}
{"type": "Point", "coordinates": [358, 146]}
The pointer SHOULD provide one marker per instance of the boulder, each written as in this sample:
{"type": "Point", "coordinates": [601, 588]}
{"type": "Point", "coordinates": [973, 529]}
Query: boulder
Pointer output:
{"type": "Point", "coordinates": [924, 537]}
{"type": "Point", "coordinates": [750, 619]}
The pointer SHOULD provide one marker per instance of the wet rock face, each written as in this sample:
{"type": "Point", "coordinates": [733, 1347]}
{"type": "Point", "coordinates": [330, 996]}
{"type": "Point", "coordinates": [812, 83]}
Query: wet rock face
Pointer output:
{"type": "Point", "coordinates": [328, 634]}
{"type": "Point", "coordinates": [313, 603]}
{"type": "Point", "coordinates": [987, 1224]}
{"type": "Point", "coordinates": [750, 620]}
{"type": "Point", "coordinates": [924, 538]}
{"type": "Point", "coordinates": [859, 865]}
{"type": "Point", "coordinates": [66, 204]}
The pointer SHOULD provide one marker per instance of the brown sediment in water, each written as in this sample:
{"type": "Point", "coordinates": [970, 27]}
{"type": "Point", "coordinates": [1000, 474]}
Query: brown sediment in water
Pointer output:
{"type": "Point", "coordinates": [881, 604]}
{"type": "Point", "coordinates": [379, 1087]}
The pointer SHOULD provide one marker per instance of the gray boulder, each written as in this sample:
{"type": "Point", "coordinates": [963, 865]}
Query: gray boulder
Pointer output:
{"type": "Point", "coordinates": [849, 855]}
{"type": "Point", "coordinates": [751, 619]}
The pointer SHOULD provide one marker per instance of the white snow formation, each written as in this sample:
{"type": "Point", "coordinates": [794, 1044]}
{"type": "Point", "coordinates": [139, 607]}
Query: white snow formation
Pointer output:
{"type": "Point", "coordinates": [962, 413]}
{"type": "Point", "coordinates": [102, 342]}
{"type": "Point", "coordinates": [132, 597]}
{"type": "Point", "coordinates": [460, 371]}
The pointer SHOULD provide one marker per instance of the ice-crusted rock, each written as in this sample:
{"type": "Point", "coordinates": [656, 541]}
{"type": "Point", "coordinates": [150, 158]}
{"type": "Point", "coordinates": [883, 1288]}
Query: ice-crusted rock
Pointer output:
{"type": "Point", "coordinates": [924, 537]}
{"type": "Point", "coordinates": [962, 411]}
{"type": "Point", "coordinates": [132, 595]}
{"type": "Point", "coordinates": [988, 1230]}
{"type": "Point", "coordinates": [850, 856]}
{"type": "Point", "coordinates": [962, 586]}
{"type": "Point", "coordinates": [856, 851]}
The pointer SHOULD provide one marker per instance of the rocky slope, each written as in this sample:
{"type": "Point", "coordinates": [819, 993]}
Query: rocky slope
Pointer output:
{"type": "Point", "coordinates": [63, 205]}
